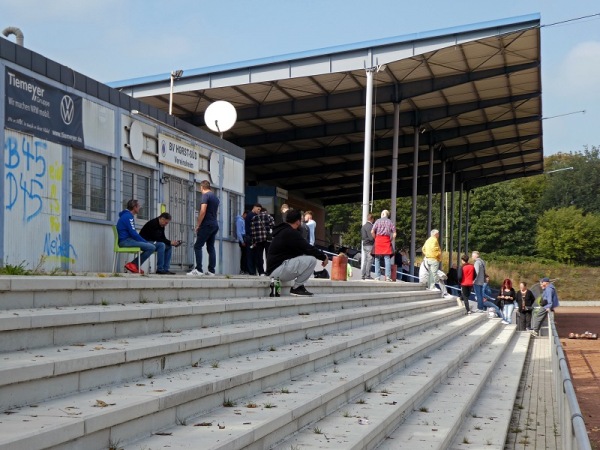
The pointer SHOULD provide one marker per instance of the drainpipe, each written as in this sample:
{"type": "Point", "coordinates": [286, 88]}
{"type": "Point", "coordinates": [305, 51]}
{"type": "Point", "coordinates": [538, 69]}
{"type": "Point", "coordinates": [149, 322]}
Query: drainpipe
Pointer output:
{"type": "Point", "coordinates": [16, 32]}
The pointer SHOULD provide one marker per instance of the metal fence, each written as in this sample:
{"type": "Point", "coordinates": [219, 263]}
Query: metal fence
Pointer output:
{"type": "Point", "coordinates": [573, 432]}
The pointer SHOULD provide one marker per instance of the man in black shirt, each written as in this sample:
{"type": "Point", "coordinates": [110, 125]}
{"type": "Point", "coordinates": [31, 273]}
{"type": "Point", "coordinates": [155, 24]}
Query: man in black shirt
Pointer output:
{"type": "Point", "coordinates": [154, 232]}
{"type": "Point", "coordinates": [290, 256]}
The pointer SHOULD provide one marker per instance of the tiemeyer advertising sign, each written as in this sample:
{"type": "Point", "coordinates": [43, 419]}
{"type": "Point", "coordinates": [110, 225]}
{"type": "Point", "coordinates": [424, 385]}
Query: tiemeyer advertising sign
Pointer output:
{"type": "Point", "coordinates": [177, 153]}
{"type": "Point", "coordinates": [42, 110]}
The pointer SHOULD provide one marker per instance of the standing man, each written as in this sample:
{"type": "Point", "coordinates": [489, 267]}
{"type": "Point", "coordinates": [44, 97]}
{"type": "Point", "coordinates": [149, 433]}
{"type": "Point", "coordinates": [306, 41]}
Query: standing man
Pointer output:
{"type": "Point", "coordinates": [207, 227]}
{"type": "Point", "coordinates": [262, 232]}
{"type": "Point", "coordinates": [154, 232]}
{"type": "Point", "coordinates": [433, 258]}
{"type": "Point", "coordinates": [549, 303]}
{"type": "Point", "coordinates": [250, 252]}
{"type": "Point", "coordinates": [240, 232]}
{"type": "Point", "coordinates": [479, 281]}
{"type": "Point", "coordinates": [311, 225]}
{"type": "Point", "coordinates": [291, 257]}
{"type": "Point", "coordinates": [367, 244]}
{"type": "Point", "coordinates": [129, 237]}
{"type": "Point", "coordinates": [384, 233]}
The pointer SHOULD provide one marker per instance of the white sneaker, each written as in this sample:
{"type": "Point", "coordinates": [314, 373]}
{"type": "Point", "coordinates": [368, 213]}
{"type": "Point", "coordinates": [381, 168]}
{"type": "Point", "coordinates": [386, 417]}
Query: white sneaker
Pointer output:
{"type": "Point", "coordinates": [447, 296]}
{"type": "Point", "coordinates": [505, 322]}
{"type": "Point", "coordinates": [194, 273]}
{"type": "Point", "coordinates": [210, 274]}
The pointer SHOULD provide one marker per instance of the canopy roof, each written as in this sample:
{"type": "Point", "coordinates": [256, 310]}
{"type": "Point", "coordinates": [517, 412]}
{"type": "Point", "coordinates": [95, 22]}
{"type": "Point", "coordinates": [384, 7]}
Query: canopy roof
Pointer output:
{"type": "Point", "coordinates": [473, 93]}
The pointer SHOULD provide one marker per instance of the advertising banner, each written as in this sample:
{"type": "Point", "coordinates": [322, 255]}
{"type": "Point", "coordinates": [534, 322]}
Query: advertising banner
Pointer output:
{"type": "Point", "coordinates": [42, 110]}
{"type": "Point", "coordinates": [177, 153]}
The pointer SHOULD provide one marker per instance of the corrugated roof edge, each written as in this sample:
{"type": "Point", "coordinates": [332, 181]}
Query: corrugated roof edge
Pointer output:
{"type": "Point", "coordinates": [529, 20]}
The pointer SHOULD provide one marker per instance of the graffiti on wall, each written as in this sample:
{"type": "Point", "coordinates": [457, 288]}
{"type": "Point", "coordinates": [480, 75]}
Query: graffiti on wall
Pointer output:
{"type": "Point", "coordinates": [33, 200]}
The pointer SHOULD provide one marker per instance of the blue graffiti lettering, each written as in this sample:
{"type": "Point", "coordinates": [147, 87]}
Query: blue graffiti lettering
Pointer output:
{"type": "Point", "coordinates": [13, 190]}
{"type": "Point", "coordinates": [28, 191]}
{"type": "Point", "coordinates": [12, 153]}
{"type": "Point", "coordinates": [54, 246]}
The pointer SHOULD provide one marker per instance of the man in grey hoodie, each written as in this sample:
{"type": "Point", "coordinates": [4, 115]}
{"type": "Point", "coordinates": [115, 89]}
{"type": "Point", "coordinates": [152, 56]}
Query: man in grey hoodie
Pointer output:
{"type": "Point", "coordinates": [479, 280]}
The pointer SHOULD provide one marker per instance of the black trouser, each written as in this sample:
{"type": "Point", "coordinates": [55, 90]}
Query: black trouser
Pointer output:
{"type": "Point", "coordinates": [244, 258]}
{"type": "Point", "coordinates": [465, 294]}
{"type": "Point", "coordinates": [526, 317]}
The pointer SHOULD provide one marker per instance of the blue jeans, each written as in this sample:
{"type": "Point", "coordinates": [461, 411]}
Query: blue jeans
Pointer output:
{"type": "Point", "coordinates": [508, 310]}
{"type": "Point", "coordinates": [147, 249]}
{"type": "Point", "coordinates": [487, 304]}
{"type": "Point", "coordinates": [206, 235]}
{"type": "Point", "coordinates": [479, 294]}
{"type": "Point", "coordinates": [388, 266]}
{"type": "Point", "coordinates": [163, 256]}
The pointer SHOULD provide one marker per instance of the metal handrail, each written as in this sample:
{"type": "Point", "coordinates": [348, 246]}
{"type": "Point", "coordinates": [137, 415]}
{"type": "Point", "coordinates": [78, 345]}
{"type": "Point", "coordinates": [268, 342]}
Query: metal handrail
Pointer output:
{"type": "Point", "coordinates": [574, 433]}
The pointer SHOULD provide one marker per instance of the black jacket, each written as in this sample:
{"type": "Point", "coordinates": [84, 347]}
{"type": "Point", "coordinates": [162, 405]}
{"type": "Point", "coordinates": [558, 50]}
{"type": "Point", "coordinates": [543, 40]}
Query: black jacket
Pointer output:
{"type": "Point", "coordinates": [287, 244]}
{"type": "Point", "coordinates": [153, 232]}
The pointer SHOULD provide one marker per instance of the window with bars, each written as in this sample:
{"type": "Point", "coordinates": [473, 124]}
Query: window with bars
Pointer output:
{"type": "Point", "coordinates": [234, 207]}
{"type": "Point", "coordinates": [89, 186]}
{"type": "Point", "coordinates": [137, 185]}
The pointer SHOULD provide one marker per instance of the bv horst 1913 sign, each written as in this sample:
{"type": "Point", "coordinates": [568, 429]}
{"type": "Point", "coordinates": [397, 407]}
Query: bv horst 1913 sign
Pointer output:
{"type": "Point", "coordinates": [42, 110]}
{"type": "Point", "coordinates": [177, 153]}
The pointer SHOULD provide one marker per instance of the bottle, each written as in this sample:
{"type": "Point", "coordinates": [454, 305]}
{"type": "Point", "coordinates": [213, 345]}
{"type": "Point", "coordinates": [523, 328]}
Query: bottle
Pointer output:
{"type": "Point", "coordinates": [272, 287]}
{"type": "Point", "coordinates": [277, 288]}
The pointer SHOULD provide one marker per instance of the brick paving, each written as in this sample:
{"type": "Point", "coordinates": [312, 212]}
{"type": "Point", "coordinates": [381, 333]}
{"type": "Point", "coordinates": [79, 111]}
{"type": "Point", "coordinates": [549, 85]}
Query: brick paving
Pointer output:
{"type": "Point", "coordinates": [534, 425]}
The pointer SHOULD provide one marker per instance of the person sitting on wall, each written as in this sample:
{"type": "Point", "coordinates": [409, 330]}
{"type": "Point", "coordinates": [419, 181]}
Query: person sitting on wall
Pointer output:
{"type": "Point", "coordinates": [154, 232]}
{"type": "Point", "coordinates": [129, 237]}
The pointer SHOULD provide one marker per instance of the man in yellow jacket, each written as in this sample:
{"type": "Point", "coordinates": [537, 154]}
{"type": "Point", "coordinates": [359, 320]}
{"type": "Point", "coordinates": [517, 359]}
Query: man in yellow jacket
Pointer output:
{"type": "Point", "coordinates": [433, 256]}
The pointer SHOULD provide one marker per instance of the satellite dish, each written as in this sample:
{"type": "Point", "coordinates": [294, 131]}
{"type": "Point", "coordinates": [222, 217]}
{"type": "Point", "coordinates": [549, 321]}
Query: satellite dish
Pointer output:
{"type": "Point", "coordinates": [220, 116]}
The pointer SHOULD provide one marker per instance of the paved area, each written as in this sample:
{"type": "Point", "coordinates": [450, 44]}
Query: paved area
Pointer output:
{"type": "Point", "coordinates": [534, 425]}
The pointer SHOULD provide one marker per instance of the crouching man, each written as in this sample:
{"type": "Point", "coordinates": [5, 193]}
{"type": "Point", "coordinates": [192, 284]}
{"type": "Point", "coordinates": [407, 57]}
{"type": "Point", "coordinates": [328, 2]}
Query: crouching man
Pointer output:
{"type": "Point", "coordinates": [290, 256]}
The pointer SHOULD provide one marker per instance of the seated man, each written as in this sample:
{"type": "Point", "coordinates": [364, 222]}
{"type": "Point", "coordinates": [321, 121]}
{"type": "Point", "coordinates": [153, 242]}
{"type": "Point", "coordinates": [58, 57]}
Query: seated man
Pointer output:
{"type": "Point", "coordinates": [129, 237]}
{"type": "Point", "coordinates": [154, 231]}
{"type": "Point", "coordinates": [488, 300]}
{"type": "Point", "coordinates": [290, 256]}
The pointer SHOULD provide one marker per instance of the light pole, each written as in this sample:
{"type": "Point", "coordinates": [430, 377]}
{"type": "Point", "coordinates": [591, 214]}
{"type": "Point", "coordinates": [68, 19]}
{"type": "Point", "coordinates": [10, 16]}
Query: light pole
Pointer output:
{"type": "Point", "coordinates": [558, 170]}
{"type": "Point", "coordinates": [175, 75]}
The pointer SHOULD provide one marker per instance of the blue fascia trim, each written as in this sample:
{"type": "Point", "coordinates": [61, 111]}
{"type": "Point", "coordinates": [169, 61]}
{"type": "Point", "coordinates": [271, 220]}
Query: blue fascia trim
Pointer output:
{"type": "Point", "coordinates": [526, 20]}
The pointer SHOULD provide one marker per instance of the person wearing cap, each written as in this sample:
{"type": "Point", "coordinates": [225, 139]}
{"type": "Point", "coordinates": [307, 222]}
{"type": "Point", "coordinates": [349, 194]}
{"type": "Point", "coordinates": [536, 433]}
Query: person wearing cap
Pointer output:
{"type": "Point", "coordinates": [548, 303]}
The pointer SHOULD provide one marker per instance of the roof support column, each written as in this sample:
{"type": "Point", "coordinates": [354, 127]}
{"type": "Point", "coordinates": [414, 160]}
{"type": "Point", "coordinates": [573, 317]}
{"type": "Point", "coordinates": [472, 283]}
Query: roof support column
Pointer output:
{"type": "Point", "coordinates": [394, 193]}
{"type": "Point", "coordinates": [460, 227]}
{"type": "Point", "coordinates": [451, 246]}
{"type": "Point", "coordinates": [443, 208]}
{"type": "Point", "coordinates": [413, 224]}
{"type": "Point", "coordinates": [430, 193]}
{"type": "Point", "coordinates": [467, 222]}
{"type": "Point", "coordinates": [367, 150]}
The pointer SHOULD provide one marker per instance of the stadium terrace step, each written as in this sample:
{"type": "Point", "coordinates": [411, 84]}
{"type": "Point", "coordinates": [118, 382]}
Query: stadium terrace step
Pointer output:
{"type": "Point", "coordinates": [128, 362]}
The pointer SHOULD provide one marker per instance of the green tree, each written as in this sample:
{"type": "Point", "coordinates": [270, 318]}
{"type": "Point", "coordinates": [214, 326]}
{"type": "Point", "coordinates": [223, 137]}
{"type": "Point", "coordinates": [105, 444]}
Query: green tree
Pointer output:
{"type": "Point", "coordinates": [501, 220]}
{"type": "Point", "coordinates": [569, 235]}
{"type": "Point", "coordinates": [578, 187]}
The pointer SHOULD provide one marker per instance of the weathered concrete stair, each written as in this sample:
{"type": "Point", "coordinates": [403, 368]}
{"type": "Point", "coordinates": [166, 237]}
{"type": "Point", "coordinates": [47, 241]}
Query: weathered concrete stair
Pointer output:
{"type": "Point", "coordinates": [154, 367]}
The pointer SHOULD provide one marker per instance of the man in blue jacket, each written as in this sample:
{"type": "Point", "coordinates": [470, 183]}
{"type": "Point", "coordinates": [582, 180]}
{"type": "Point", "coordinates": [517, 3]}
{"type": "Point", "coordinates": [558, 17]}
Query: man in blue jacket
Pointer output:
{"type": "Point", "coordinates": [548, 303]}
{"type": "Point", "coordinates": [129, 237]}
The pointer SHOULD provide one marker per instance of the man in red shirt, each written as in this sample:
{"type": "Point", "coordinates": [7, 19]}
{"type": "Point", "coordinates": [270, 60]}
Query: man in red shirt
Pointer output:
{"type": "Point", "coordinates": [466, 275]}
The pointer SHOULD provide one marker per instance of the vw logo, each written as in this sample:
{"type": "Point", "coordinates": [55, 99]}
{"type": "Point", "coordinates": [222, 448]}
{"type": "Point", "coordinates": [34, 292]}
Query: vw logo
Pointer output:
{"type": "Point", "coordinates": [67, 109]}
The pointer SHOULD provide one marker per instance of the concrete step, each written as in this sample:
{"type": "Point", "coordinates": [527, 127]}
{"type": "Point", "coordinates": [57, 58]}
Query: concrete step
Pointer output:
{"type": "Point", "coordinates": [22, 292]}
{"type": "Point", "coordinates": [488, 423]}
{"type": "Point", "coordinates": [435, 422]}
{"type": "Point", "coordinates": [323, 407]}
{"type": "Point", "coordinates": [141, 406]}
{"type": "Point", "coordinates": [30, 376]}
{"type": "Point", "coordinates": [22, 329]}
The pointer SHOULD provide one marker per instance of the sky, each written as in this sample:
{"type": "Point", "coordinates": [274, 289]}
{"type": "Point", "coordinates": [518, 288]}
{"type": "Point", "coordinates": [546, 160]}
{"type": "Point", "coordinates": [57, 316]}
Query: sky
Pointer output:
{"type": "Point", "coordinates": [111, 40]}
